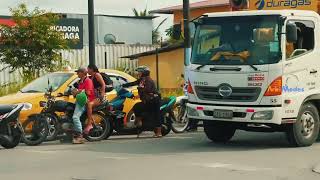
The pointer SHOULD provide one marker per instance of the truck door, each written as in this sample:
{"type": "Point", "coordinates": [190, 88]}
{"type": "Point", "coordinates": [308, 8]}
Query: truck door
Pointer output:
{"type": "Point", "coordinates": [301, 67]}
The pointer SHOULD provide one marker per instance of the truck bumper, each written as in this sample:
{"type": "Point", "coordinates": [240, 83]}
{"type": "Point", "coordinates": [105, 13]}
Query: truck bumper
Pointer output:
{"type": "Point", "coordinates": [263, 115]}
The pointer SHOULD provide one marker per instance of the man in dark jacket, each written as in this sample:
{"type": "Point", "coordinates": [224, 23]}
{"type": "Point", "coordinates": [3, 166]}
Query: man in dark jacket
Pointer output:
{"type": "Point", "coordinates": [150, 99]}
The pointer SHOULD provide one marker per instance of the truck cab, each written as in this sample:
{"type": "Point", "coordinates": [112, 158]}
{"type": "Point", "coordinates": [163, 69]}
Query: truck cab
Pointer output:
{"type": "Point", "coordinates": [256, 71]}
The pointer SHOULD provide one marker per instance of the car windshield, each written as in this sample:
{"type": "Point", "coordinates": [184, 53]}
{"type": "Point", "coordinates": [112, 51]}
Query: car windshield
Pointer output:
{"type": "Point", "coordinates": [237, 40]}
{"type": "Point", "coordinates": [41, 85]}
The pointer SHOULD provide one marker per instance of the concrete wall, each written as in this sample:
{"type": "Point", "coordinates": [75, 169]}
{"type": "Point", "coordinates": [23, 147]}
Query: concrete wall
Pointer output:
{"type": "Point", "coordinates": [127, 30]}
{"type": "Point", "coordinates": [170, 67]}
{"type": "Point", "coordinates": [107, 56]}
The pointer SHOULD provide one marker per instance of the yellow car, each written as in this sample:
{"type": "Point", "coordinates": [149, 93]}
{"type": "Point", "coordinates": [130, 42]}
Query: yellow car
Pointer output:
{"type": "Point", "coordinates": [34, 92]}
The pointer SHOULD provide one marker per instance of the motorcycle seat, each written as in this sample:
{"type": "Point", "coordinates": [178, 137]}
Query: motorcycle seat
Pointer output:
{"type": "Point", "coordinates": [164, 101]}
{"type": "Point", "coordinates": [6, 109]}
{"type": "Point", "coordinates": [101, 106]}
{"type": "Point", "coordinates": [167, 103]}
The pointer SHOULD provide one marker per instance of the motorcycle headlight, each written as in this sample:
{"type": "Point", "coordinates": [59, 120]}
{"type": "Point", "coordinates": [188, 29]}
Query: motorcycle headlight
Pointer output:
{"type": "Point", "coordinates": [43, 103]}
{"type": "Point", "coordinates": [26, 107]}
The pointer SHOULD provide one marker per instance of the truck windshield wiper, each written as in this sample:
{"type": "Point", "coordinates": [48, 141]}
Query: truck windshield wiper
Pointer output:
{"type": "Point", "coordinates": [30, 91]}
{"type": "Point", "coordinates": [253, 67]}
{"type": "Point", "coordinates": [201, 66]}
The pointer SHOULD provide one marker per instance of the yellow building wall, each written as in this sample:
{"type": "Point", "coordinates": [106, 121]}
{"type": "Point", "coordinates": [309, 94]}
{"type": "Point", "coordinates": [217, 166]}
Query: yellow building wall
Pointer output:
{"type": "Point", "coordinates": [171, 66]}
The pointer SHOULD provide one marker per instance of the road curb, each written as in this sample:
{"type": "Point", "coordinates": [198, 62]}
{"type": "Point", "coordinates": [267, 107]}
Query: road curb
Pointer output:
{"type": "Point", "coordinates": [316, 168]}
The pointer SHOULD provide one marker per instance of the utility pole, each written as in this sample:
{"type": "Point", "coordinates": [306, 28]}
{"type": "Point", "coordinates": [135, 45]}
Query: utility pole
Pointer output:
{"type": "Point", "coordinates": [186, 17]}
{"type": "Point", "coordinates": [187, 38]}
{"type": "Point", "coordinates": [91, 32]}
{"type": "Point", "coordinates": [157, 68]}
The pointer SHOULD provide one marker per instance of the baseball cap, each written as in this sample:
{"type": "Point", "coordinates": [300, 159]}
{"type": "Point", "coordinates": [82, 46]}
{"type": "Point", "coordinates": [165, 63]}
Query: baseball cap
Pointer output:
{"type": "Point", "coordinates": [81, 69]}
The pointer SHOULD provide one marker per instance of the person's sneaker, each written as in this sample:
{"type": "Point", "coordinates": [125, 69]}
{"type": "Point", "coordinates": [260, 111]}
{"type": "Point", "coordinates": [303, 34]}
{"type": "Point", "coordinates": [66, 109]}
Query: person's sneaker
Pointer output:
{"type": "Point", "coordinates": [78, 140]}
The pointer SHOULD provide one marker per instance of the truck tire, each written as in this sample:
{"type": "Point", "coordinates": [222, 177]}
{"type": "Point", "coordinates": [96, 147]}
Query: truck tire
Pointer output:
{"type": "Point", "coordinates": [219, 132]}
{"type": "Point", "coordinates": [305, 131]}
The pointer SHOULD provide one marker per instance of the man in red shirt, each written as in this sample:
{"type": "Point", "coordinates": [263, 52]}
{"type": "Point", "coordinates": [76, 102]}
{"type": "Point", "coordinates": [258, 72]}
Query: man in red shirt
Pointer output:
{"type": "Point", "coordinates": [86, 85]}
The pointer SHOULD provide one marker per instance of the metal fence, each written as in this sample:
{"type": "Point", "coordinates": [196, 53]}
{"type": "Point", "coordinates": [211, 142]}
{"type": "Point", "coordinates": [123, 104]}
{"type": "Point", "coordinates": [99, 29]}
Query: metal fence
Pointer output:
{"type": "Point", "coordinates": [107, 56]}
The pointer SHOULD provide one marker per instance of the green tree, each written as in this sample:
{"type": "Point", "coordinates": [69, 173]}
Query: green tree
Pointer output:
{"type": "Point", "coordinates": [169, 32]}
{"type": "Point", "coordinates": [155, 32]}
{"type": "Point", "coordinates": [30, 46]}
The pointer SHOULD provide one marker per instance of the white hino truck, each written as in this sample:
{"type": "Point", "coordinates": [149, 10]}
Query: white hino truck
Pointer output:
{"type": "Point", "coordinates": [256, 71]}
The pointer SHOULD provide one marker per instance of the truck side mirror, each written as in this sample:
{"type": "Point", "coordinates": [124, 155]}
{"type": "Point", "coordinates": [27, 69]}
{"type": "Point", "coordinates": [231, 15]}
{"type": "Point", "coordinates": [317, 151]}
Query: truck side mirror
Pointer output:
{"type": "Point", "coordinates": [176, 31]}
{"type": "Point", "coordinates": [193, 27]}
{"type": "Point", "coordinates": [291, 32]}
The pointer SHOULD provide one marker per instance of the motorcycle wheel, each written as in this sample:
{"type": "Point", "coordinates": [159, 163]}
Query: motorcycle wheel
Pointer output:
{"type": "Point", "coordinates": [166, 128]}
{"type": "Point", "coordinates": [15, 141]}
{"type": "Point", "coordinates": [180, 122]}
{"type": "Point", "coordinates": [35, 130]}
{"type": "Point", "coordinates": [102, 128]}
{"type": "Point", "coordinates": [53, 126]}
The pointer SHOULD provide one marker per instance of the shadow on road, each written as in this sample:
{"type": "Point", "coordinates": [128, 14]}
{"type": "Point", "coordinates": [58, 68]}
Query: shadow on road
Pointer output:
{"type": "Point", "coordinates": [190, 143]}
{"type": "Point", "coordinates": [176, 143]}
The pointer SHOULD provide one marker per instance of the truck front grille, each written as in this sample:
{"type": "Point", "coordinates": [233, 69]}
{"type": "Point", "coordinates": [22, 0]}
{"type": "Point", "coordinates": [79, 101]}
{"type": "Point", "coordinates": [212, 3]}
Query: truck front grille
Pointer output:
{"type": "Point", "coordinates": [239, 94]}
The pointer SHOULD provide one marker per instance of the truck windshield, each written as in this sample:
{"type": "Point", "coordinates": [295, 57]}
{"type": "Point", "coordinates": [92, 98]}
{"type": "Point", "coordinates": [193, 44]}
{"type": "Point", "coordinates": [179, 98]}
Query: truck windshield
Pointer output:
{"type": "Point", "coordinates": [250, 40]}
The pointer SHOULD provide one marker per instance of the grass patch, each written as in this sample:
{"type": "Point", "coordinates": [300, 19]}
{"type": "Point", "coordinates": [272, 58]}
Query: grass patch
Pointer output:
{"type": "Point", "coordinates": [11, 88]}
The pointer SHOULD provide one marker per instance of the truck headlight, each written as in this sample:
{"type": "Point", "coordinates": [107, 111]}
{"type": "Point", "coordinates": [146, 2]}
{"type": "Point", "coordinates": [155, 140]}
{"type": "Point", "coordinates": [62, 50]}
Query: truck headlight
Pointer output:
{"type": "Point", "coordinates": [262, 115]}
{"type": "Point", "coordinates": [192, 112]}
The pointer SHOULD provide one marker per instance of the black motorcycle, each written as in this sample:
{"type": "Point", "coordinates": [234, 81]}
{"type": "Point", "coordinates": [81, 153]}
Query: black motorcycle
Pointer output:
{"type": "Point", "coordinates": [36, 130]}
{"type": "Point", "coordinates": [122, 123]}
{"type": "Point", "coordinates": [59, 115]}
{"type": "Point", "coordinates": [11, 130]}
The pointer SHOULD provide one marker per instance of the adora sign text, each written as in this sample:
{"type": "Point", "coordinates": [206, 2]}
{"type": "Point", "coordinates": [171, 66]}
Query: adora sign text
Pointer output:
{"type": "Point", "coordinates": [72, 30]}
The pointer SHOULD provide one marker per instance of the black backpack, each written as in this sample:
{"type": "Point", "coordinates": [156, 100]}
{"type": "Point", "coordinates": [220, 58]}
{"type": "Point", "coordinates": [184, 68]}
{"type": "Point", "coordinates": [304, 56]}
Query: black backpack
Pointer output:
{"type": "Point", "coordinates": [107, 80]}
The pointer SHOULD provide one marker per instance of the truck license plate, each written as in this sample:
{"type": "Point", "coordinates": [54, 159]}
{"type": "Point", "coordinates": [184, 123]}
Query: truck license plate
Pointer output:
{"type": "Point", "coordinates": [225, 114]}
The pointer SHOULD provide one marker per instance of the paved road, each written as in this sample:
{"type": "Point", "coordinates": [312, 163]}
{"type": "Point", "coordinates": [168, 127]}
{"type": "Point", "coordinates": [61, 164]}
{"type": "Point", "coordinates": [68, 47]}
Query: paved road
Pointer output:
{"type": "Point", "coordinates": [249, 156]}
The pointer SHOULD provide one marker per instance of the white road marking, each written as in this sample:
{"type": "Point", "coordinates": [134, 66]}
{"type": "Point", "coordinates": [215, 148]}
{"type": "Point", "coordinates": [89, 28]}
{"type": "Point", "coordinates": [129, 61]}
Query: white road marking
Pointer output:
{"type": "Point", "coordinates": [116, 158]}
{"type": "Point", "coordinates": [232, 167]}
{"type": "Point", "coordinates": [43, 152]}
{"type": "Point", "coordinates": [316, 168]}
{"type": "Point", "coordinates": [177, 137]}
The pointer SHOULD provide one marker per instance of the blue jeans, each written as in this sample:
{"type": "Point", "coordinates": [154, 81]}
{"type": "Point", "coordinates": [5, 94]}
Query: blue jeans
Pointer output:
{"type": "Point", "coordinates": [78, 111]}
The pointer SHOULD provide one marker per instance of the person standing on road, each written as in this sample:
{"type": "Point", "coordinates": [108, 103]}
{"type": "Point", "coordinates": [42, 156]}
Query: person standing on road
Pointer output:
{"type": "Point", "coordinates": [84, 93]}
{"type": "Point", "coordinates": [150, 99]}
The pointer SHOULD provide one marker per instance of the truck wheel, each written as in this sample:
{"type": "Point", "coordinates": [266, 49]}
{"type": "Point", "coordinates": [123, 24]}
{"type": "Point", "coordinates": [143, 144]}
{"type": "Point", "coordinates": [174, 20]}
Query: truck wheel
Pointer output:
{"type": "Point", "coordinates": [218, 132]}
{"type": "Point", "coordinates": [305, 131]}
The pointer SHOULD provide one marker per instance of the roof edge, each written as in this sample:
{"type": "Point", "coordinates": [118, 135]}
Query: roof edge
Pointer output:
{"type": "Point", "coordinates": [152, 52]}
{"type": "Point", "coordinates": [179, 8]}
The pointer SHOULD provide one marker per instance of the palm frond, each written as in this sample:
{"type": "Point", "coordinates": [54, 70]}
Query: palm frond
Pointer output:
{"type": "Point", "coordinates": [135, 12]}
{"type": "Point", "coordinates": [160, 24]}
